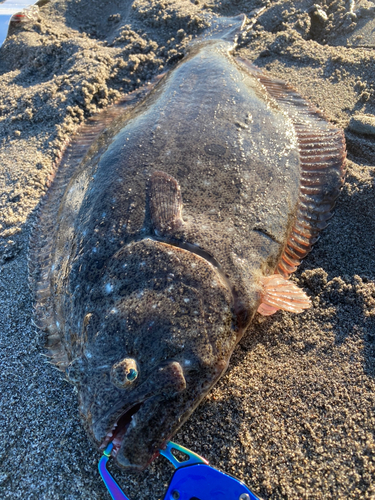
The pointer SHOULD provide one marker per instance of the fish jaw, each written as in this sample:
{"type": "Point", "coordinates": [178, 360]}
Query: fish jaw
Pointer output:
{"type": "Point", "coordinates": [145, 427]}
{"type": "Point", "coordinates": [166, 382]}
{"type": "Point", "coordinates": [147, 432]}
{"type": "Point", "coordinates": [153, 425]}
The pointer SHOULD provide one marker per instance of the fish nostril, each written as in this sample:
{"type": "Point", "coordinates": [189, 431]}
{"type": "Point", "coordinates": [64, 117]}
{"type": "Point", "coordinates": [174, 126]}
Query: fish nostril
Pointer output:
{"type": "Point", "coordinates": [171, 377]}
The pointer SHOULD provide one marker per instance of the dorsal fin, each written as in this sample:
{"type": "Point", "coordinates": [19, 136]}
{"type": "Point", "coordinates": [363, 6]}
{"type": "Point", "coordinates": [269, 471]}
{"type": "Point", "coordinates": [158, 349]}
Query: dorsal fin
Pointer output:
{"type": "Point", "coordinates": [42, 235]}
{"type": "Point", "coordinates": [322, 160]}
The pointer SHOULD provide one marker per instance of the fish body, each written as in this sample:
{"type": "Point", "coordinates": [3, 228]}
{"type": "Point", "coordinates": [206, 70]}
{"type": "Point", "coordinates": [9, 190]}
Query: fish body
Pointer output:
{"type": "Point", "coordinates": [165, 215]}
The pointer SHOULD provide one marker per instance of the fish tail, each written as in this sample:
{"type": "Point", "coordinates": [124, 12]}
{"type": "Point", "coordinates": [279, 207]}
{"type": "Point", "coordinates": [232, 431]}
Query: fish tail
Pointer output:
{"type": "Point", "coordinates": [225, 29]}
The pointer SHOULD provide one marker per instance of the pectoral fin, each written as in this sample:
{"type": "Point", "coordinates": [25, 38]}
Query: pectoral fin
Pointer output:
{"type": "Point", "coordinates": [165, 203]}
{"type": "Point", "coordinates": [280, 293]}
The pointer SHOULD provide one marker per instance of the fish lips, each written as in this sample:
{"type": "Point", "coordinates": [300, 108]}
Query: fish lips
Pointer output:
{"type": "Point", "coordinates": [151, 428]}
{"type": "Point", "coordinates": [147, 432]}
{"type": "Point", "coordinates": [157, 420]}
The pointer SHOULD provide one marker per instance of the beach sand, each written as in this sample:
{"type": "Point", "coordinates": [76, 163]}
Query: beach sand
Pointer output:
{"type": "Point", "coordinates": [294, 415]}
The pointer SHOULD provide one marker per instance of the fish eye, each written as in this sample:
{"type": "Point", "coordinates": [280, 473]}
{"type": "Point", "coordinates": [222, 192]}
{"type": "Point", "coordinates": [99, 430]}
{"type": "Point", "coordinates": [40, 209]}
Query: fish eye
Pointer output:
{"type": "Point", "coordinates": [124, 373]}
{"type": "Point", "coordinates": [132, 374]}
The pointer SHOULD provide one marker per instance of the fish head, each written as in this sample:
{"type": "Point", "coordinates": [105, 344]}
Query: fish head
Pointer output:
{"type": "Point", "coordinates": [155, 343]}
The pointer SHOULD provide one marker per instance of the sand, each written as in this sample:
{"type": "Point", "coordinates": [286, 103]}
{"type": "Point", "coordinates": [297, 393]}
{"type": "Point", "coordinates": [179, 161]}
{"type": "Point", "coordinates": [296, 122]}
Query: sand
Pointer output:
{"type": "Point", "coordinates": [294, 415]}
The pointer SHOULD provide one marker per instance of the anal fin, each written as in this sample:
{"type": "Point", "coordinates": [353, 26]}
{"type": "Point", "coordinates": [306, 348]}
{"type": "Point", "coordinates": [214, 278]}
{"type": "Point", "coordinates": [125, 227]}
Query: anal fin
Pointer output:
{"type": "Point", "coordinates": [280, 293]}
{"type": "Point", "coordinates": [43, 236]}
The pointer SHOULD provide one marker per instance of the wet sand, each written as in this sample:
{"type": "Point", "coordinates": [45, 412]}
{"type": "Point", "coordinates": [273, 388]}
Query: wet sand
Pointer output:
{"type": "Point", "coordinates": [294, 415]}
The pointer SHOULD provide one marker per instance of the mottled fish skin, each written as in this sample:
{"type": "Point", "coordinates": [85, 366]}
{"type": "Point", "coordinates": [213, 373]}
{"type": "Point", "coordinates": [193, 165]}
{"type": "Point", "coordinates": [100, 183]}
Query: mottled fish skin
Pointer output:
{"type": "Point", "coordinates": [162, 234]}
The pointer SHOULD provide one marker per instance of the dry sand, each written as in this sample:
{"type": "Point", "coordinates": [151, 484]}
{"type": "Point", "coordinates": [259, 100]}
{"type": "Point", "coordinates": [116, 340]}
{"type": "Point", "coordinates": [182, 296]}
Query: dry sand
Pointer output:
{"type": "Point", "coordinates": [294, 415]}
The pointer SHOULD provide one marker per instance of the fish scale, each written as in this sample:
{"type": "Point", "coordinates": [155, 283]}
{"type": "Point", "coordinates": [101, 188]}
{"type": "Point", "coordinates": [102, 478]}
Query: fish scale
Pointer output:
{"type": "Point", "coordinates": [171, 219]}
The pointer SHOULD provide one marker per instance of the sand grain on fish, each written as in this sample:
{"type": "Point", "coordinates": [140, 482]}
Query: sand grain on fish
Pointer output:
{"type": "Point", "coordinates": [293, 416]}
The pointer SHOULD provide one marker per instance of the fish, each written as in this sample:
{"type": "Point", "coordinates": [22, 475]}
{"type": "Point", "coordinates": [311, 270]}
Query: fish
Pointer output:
{"type": "Point", "coordinates": [172, 218]}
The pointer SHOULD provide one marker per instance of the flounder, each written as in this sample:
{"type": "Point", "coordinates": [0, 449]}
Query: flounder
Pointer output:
{"type": "Point", "coordinates": [173, 217]}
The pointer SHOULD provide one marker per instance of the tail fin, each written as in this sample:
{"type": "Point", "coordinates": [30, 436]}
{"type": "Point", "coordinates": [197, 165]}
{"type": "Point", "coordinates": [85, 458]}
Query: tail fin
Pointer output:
{"type": "Point", "coordinates": [225, 29]}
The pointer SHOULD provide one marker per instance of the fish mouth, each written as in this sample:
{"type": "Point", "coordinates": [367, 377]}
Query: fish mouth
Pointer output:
{"type": "Point", "coordinates": [143, 426]}
{"type": "Point", "coordinates": [138, 434]}
{"type": "Point", "coordinates": [118, 430]}
{"type": "Point", "coordinates": [132, 426]}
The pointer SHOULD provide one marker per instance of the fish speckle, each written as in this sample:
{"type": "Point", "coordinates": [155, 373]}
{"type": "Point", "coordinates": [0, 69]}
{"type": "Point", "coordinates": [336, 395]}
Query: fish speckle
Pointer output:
{"type": "Point", "coordinates": [127, 315]}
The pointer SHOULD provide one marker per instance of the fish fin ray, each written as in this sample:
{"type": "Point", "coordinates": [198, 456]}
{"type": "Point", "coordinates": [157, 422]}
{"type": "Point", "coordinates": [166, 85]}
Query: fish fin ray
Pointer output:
{"type": "Point", "coordinates": [165, 203]}
{"type": "Point", "coordinates": [322, 158]}
{"type": "Point", "coordinates": [280, 293]}
{"type": "Point", "coordinates": [266, 310]}
{"type": "Point", "coordinates": [225, 28]}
